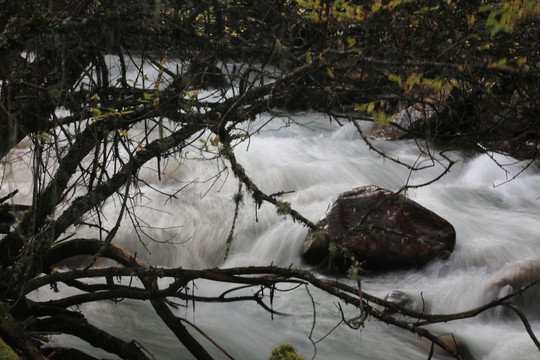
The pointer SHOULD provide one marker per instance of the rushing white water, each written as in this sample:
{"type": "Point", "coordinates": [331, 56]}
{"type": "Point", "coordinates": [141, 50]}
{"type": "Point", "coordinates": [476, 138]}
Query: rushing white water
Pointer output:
{"type": "Point", "coordinates": [317, 159]}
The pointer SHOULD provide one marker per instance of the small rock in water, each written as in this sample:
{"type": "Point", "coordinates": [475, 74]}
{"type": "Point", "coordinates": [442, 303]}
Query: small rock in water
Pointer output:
{"type": "Point", "coordinates": [405, 120]}
{"type": "Point", "coordinates": [513, 277]}
{"type": "Point", "coordinates": [405, 300]}
{"type": "Point", "coordinates": [517, 274]}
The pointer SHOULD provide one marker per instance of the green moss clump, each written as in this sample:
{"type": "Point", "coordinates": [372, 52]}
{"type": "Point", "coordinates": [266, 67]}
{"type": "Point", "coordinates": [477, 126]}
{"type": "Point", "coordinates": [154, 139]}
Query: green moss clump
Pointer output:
{"type": "Point", "coordinates": [7, 353]}
{"type": "Point", "coordinates": [285, 352]}
{"type": "Point", "coordinates": [283, 207]}
{"type": "Point", "coordinates": [354, 271]}
{"type": "Point", "coordinates": [319, 237]}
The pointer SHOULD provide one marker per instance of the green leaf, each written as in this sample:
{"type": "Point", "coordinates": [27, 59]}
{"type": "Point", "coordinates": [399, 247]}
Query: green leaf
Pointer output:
{"type": "Point", "coordinates": [395, 78]}
{"type": "Point", "coordinates": [484, 8]}
{"type": "Point", "coordinates": [360, 107]}
{"type": "Point", "coordinates": [376, 6]}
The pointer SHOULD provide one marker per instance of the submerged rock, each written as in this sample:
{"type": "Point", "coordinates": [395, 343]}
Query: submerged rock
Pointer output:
{"type": "Point", "coordinates": [516, 274]}
{"type": "Point", "coordinates": [408, 301]}
{"type": "Point", "coordinates": [513, 277]}
{"type": "Point", "coordinates": [452, 341]}
{"type": "Point", "coordinates": [381, 229]}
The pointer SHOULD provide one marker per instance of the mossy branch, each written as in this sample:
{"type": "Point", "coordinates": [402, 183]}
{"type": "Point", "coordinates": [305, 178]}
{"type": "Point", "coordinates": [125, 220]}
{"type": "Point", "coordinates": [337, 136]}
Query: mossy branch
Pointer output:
{"type": "Point", "coordinates": [282, 208]}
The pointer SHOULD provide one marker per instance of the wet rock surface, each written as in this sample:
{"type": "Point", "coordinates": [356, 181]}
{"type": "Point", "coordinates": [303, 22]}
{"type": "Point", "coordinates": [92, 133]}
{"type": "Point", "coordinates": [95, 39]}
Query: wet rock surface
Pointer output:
{"type": "Point", "coordinates": [381, 229]}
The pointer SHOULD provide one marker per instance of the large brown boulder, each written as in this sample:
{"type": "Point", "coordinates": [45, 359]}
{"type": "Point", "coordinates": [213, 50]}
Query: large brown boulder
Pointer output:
{"type": "Point", "coordinates": [380, 228]}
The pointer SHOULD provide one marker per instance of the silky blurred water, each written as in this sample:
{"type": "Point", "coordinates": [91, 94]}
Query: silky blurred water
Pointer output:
{"type": "Point", "coordinates": [313, 160]}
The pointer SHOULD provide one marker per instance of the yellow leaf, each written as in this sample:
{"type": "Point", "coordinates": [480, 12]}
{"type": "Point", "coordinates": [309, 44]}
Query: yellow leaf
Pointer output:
{"type": "Point", "coordinates": [308, 58]}
{"type": "Point", "coordinates": [205, 144]}
{"type": "Point", "coordinates": [521, 61]}
{"type": "Point", "coordinates": [193, 95]}
{"type": "Point", "coordinates": [501, 64]}
{"type": "Point", "coordinates": [484, 46]}
{"type": "Point", "coordinates": [124, 132]}
{"type": "Point", "coordinates": [471, 19]}
{"type": "Point", "coordinates": [380, 117]}
{"type": "Point", "coordinates": [330, 73]}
